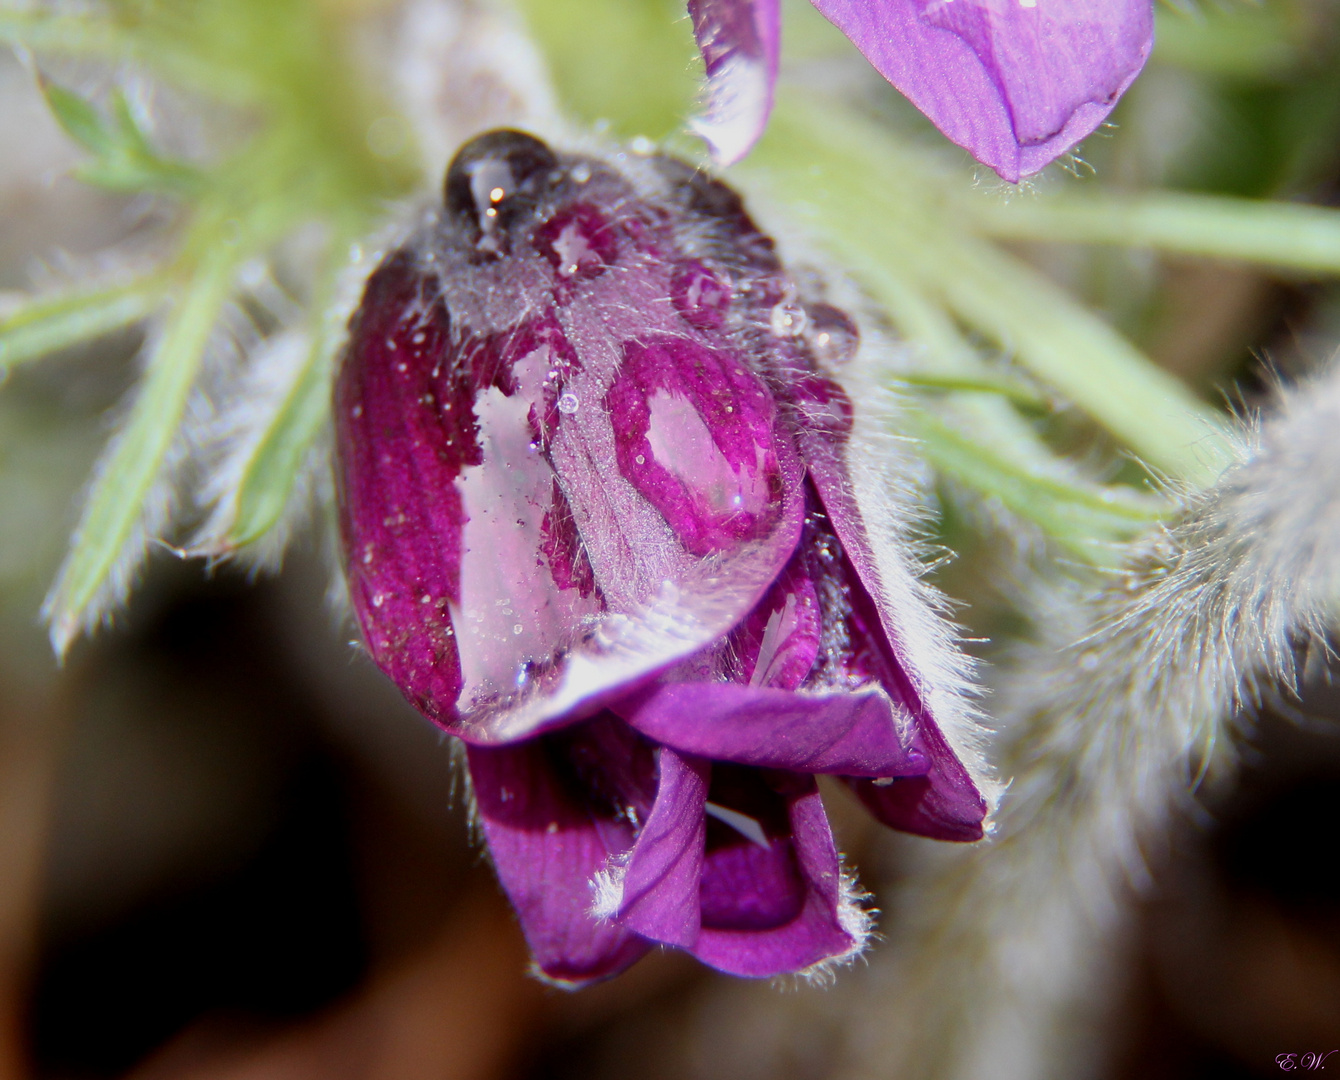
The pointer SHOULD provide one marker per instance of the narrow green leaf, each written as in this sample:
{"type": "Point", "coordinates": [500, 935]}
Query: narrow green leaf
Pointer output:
{"type": "Point", "coordinates": [64, 34]}
{"type": "Point", "coordinates": [1086, 521]}
{"type": "Point", "coordinates": [1084, 359]}
{"type": "Point", "coordinates": [1243, 40]}
{"type": "Point", "coordinates": [1004, 458]}
{"type": "Point", "coordinates": [135, 457]}
{"type": "Point", "coordinates": [1011, 390]}
{"type": "Point", "coordinates": [52, 323]}
{"type": "Point", "coordinates": [78, 117]}
{"type": "Point", "coordinates": [273, 470]}
{"type": "Point", "coordinates": [123, 157]}
{"type": "Point", "coordinates": [1287, 235]}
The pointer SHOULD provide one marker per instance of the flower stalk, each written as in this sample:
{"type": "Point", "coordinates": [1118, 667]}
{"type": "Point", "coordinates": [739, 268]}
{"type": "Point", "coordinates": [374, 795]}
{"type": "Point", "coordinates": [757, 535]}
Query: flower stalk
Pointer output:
{"type": "Point", "coordinates": [1299, 239]}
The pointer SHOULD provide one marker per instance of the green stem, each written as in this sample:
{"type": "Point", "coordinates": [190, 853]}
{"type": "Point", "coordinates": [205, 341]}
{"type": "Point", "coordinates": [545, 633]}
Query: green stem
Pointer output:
{"type": "Point", "coordinates": [49, 324]}
{"type": "Point", "coordinates": [1086, 522]}
{"type": "Point", "coordinates": [1010, 389]}
{"type": "Point", "coordinates": [269, 477]}
{"type": "Point", "coordinates": [116, 503]}
{"type": "Point", "coordinates": [1286, 235]}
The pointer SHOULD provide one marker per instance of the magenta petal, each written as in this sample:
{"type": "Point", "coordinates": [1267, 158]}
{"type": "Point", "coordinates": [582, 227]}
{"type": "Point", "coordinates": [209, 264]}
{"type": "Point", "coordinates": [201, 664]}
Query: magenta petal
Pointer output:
{"type": "Point", "coordinates": [400, 511]}
{"type": "Point", "coordinates": [740, 41]}
{"type": "Point", "coordinates": [947, 802]}
{"type": "Point", "coordinates": [694, 434]}
{"type": "Point", "coordinates": [780, 908]}
{"type": "Point", "coordinates": [943, 804]}
{"type": "Point", "coordinates": [779, 642]}
{"type": "Point", "coordinates": [855, 734]}
{"type": "Point", "coordinates": [1016, 83]}
{"type": "Point", "coordinates": [660, 884]}
{"type": "Point", "coordinates": [549, 833]}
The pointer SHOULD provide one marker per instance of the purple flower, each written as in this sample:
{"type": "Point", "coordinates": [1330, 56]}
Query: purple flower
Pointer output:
{"type": "Point", "coordinates": [598, 523]}
{"type": "Point", "coordinates": [1015, 82]}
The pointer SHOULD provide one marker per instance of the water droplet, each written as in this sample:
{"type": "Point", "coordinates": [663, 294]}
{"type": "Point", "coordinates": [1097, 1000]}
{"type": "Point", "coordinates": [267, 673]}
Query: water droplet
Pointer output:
{"type": "Point", "coordinates": [642, 145]}
{"type": "Point", "coordinates": [833, 336]}
{"type": "Point", "coordinates": [551, 828]}
{"type": "Point", "coordinates": [788, 319]}
{"type": "Point", "coordinates": [378, 600]}
{"type": "Point", "coordinates": [518, 628]}
{"type": "Point", "coordinates": [425, 599]}
{"type": "Point", "coordinates": [640, 459]}
{"type": "Point", "coordinates": [581, 174]}
{"type": "Point", "coordinates": [356, 411]}
{"type": "Point", "coordinates": [419, 338]}
{"type": "Point", "coordinates": [568, 404]}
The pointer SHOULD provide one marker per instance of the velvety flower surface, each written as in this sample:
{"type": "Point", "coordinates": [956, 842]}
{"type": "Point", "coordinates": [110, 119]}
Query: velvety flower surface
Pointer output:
{"type": "Point", "coordinates": [599, 523]}
{"type": "Point", "coordinates": [1015, 82]}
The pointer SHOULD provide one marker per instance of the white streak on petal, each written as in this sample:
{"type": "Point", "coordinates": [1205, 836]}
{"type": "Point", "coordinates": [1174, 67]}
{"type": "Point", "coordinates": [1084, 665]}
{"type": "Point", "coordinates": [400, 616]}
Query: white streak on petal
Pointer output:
{"type": "Point", "coordinates": [739, 98]}
{"type": "Point", "coordinates": [743, 824]}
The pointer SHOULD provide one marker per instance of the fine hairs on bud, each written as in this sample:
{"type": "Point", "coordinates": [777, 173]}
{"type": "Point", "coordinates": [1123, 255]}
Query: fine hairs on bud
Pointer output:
{"type": "Point", "coordinates": [1005, 956]}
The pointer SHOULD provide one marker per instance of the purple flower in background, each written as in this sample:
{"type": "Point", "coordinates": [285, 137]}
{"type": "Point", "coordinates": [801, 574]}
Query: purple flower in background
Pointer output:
{"type": "Point", "coordinates": [1015, 82]}
{"type": "Point", "coordinates": [599, 524]}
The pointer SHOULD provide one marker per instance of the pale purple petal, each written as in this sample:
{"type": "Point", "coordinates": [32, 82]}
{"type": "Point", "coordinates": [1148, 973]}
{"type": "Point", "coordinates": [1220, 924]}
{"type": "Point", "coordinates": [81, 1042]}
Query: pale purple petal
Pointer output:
{"type": "Point", "coordinates": [1015, 82]}
{"type": "Point", "coordinates": [740, 41]}
{"type": "Point", "coordinates": [780, 908]}
{"type": "Point", "coordinates": [550, 812]}
{"type": "Point", "coordinates": [855, 734]}
{"type": "Point", "coordinates": [661, 879]}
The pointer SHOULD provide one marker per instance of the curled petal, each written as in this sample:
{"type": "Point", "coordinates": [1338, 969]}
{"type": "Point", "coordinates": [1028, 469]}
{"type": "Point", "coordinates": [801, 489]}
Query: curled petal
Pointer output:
{"type": "Point", "coordinates": [892, 635]}
{"type": "Point", "coordinates": [943, 804]}
{"type": "Point", "coordinates": [857, 734]}
{"type": "Point", "coordinates": [660, 883]}
{"type": "Point", "coordinates": [740, 41]}
{"type": "Point", "coordinates": [1015, 82]}
{"type": "Point", "coordinates": [548, 810]}
{"type": "Point", "coordinates": [773, 902]}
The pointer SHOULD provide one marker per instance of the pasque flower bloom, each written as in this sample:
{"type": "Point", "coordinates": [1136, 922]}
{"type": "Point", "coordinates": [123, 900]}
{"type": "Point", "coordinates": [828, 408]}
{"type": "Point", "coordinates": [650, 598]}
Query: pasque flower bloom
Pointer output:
{"type": "Point", "coordinates": [1015, 82]}
{"type": "Point", "coordinates": [599, 523]}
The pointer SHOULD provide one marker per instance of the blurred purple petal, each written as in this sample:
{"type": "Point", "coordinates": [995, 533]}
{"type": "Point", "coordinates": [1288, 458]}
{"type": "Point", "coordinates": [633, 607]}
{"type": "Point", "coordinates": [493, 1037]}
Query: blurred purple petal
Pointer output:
{"type": "Point", "coordinates": [780, 908]}
{"type": "Point", "coordinates": [1015, 82]}
{"type": "Point", "coordinates": [740, 42]}
{"type": "Point", "coordinates": [552, 811]}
